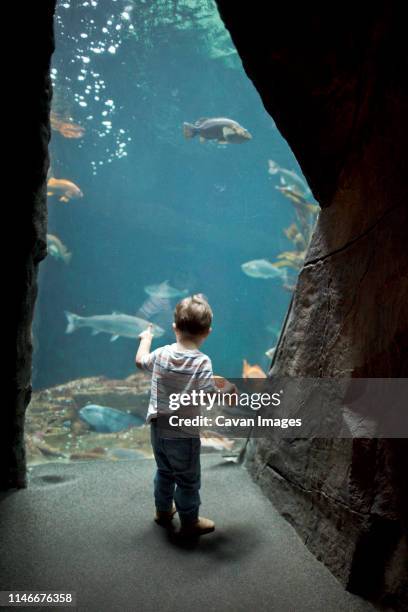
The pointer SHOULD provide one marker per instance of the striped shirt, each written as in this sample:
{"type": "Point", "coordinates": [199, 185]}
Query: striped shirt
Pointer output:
{"type": "Point", "coordinates": [175, 371]}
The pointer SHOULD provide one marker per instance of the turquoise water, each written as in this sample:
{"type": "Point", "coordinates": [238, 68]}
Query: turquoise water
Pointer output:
{"type": "Point", "coordinates": [157, 206]}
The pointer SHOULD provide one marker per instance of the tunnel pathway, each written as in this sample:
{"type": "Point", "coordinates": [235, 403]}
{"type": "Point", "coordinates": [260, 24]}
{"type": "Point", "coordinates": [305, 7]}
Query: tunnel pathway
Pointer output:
{"type": "Point", "coordinates": [88, 528]}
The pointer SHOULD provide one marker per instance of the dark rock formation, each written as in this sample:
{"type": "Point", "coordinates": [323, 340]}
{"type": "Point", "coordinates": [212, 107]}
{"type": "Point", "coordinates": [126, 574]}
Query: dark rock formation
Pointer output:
{"type": "Point", "coordinates": [335, 82]}
{"type": "Point", "coordinates": [29, 110]}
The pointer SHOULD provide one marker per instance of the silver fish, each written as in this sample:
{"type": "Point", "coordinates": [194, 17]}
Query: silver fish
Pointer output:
{"type": "Point", "coordinates": [261, 268]}
{"type": "Point", "coordinates": [217, 128]}
{"type": "Point", "coordinates": [116, 324]}
{"type": "Point", "coordinates": [165, 291]}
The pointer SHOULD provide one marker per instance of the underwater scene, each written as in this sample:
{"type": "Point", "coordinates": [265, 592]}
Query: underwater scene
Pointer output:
{"type": "Point", "coordinates": [167, 178]}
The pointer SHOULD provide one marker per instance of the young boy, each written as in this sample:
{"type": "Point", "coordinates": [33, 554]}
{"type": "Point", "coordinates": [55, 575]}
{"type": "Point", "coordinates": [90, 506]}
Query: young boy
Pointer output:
{"type": "Point", "coordinates": [179, 368]}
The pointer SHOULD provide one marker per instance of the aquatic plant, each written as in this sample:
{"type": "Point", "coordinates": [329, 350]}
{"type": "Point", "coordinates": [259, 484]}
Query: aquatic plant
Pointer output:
{"type": "Point", "coordinates": [299, 233]}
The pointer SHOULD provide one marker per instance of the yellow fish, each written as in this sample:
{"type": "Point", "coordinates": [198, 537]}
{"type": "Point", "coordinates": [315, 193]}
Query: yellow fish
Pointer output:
{"type": "Point", "coordinates": [68, 129]}
{"type": "Point", "coordinates": [252, 371]}
{"type": "Point", "coordinates": [66, 190]}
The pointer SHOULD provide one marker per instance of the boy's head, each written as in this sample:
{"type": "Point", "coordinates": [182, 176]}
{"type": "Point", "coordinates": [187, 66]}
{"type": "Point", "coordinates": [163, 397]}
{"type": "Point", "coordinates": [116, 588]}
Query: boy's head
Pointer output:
{"type": "Point", "coordinates": [193, 317]}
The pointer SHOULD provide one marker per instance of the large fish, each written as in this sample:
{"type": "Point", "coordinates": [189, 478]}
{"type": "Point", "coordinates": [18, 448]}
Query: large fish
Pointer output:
{"type": "Point", "coordinates": [108, 420]}
{"type": "Point", "coordinates": [66, 190]}
{"type": "Point", "coordinates": [116, 324]}
{"type": "Point", "coordinates": [218, 128]}
{"type": "Point", "coordinates": [289, 180]}
{"type": "Point", "coordinates": [261, 268]}
{"type": "Point", "coordinates": [57, 249]}
{"type": "Point", "coordinates": [165, 291]}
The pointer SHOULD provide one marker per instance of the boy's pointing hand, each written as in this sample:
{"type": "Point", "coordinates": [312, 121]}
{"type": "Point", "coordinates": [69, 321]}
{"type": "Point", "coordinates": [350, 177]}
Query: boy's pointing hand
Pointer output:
{"type": "Point", "coordinates": [147, 333]}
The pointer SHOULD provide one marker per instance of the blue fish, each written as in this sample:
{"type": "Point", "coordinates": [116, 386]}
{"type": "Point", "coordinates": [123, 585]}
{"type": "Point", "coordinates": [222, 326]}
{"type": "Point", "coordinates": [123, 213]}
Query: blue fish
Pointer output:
{"type": "Point", "coordinates": [108, 420]}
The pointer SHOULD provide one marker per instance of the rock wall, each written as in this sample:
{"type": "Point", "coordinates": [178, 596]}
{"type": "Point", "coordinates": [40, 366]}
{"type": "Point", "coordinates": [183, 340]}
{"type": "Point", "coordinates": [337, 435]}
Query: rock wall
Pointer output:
{"type": "Point", "coordinates": [334, 80]}
{"type": "Point", "coordinates": [29, 94]}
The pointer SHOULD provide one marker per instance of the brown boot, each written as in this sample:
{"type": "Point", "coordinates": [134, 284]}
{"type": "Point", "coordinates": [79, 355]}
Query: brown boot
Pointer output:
{"type": "Point", "coordinates": [164, 518]}
{"type": "Point", "coordinates": [197, 528]}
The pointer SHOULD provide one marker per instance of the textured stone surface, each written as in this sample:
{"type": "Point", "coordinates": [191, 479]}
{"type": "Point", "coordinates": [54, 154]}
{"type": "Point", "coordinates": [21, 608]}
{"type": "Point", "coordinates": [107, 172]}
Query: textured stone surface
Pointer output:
{"type": "Point", "coordinates": [335, 83]}
{"type": "Point", "coordinates": [27, 227]}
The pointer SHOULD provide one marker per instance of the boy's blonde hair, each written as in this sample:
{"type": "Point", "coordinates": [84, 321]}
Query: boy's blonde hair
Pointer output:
{"type": "Point", "coordinates": [193, 315]}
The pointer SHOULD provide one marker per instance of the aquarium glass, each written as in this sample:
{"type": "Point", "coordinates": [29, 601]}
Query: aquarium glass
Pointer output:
{"type": "Point", "coordinates": [140, 215]}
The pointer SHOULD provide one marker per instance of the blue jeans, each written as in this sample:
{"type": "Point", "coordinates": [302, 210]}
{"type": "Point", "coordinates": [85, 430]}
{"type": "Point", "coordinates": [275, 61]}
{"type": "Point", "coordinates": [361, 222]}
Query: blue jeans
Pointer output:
{"type": "Point", "coordinates": [178, 475]}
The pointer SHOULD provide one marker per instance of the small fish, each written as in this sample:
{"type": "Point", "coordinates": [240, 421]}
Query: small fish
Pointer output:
{"type": "Point", "coordinates": [66, 128]}
{"type": "Point", "coordinates": [117, 324]}
{"type": "Point", "coordinates": [299, 201]}
{"type": "Point", "coordinates": [252, 371]}
{"type": "Point", "coordinates": [57, 249]}
{"type": "Point", "coordinates": [66, 190]}
{"type": "Point", "coordinates": [108, 420]}
{"type": "Point", "coordinates": [270, 352]}
{"type": "Point", "coordinates": [218, 128]}
{"type": "Point", "coordinates": [46, 449]}
{"type": "Point", "coordinates": [165, 291]}
{"type": "Point", "coordinates": [292, 194]}
{"type": "Point", "coordinates": [261, 268]}
{"type": "Point", "coordinates": [289, 179]}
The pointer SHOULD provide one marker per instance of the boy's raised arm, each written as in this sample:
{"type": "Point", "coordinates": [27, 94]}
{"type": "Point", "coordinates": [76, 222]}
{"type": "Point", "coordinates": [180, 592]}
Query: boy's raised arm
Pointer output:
{"type": "Point", "coordinates": [146, 338]}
